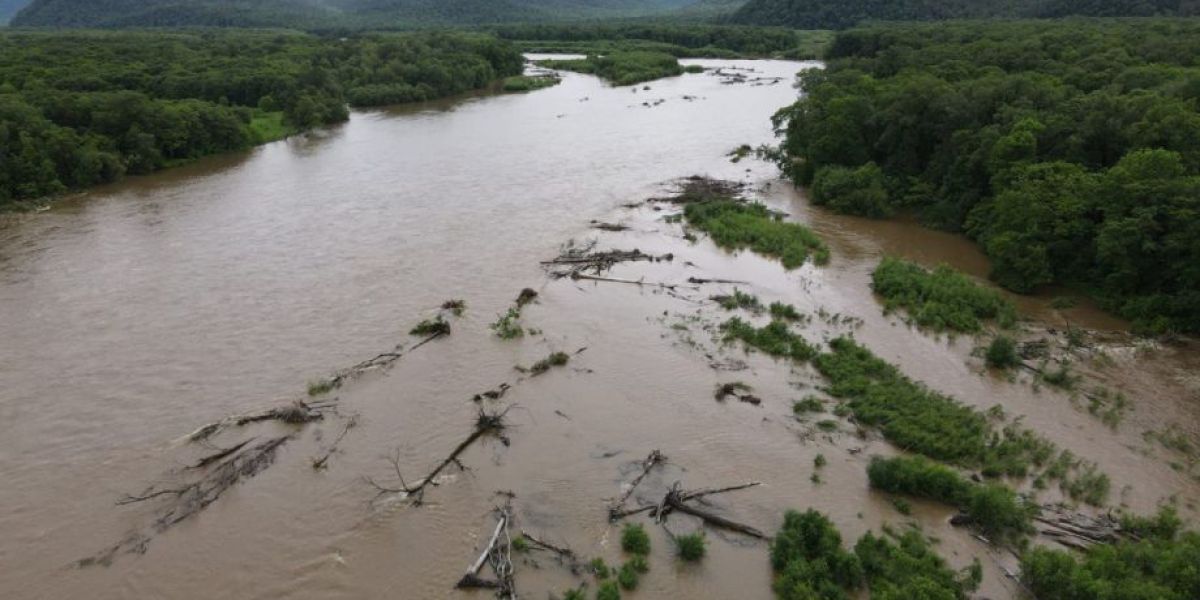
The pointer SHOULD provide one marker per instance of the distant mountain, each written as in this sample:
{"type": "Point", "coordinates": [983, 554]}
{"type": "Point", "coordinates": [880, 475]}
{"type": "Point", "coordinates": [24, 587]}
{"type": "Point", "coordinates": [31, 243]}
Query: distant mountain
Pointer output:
{"type": "Point", "coordinates": [8, 8]}
{"type": "Point", "coordinates": [840, 14]}
{"type": "Point", "coordinates": [311, 13]}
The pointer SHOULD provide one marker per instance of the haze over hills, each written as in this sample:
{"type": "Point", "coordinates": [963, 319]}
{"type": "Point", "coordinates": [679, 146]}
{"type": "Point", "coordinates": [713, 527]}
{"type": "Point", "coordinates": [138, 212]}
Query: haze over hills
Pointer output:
{"type": "Point", "coordinates": [8, 8]}
{"type": "Point", "coordinates": [840, 14]}
{"type": "Point", "coordinates": [351, 13]}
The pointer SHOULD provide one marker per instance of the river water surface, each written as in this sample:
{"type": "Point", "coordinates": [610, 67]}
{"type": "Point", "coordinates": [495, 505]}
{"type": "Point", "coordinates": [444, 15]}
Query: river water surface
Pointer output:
{"type": "Point", "coordinates": [135, 313]}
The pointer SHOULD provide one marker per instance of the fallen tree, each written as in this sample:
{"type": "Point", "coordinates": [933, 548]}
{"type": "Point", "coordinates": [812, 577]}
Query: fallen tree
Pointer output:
{"type": "Point", "coordinates": [485, 423]}
{"type": "Point", "coordinates": [498, 554]}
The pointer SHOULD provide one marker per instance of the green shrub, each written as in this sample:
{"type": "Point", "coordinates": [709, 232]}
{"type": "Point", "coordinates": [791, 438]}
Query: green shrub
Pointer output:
{"type": "Point", "coordinates": [924, 421]}
{"type": "Point", "coordinates": [819, 461]}
{"type": "Point", "coordinates": [434, 326]}
{"type": "Point", "coordinates": [627, 577]}
{"type": "Point", "coordinates": [691, 547]}
{"type": "Point", "coordinates": [809, 560]}
{"type": "Point", "coordinates": [608, 590]}
{"type": "Point", "coordinates": [852, 190]}
{"type": "Point", "coordinates": [528, 83]}
{"type": "Point", "coordinates": [1002, 353]}
{"type": "Point", "coordinates": [940, 299]}
{"type": "Point", "coordinates": [774, 339]}
{"type": "Point", "coordinates": [574, 594]}
{"type": "Point", "coordinates": [784, 312]}
{"type": "Point", "coordinates": [507, 325]}
{"type": "Point", "coordinates": [809, 404]}
{"type": "Point", "coordinates": [635, 540]}
{"type": "Point", "coordinates": [622, 67]}
{"type": "Point", "coordinates": [736, 225]}
{"type": "Point", "coordinates": [520, 544]}
{"type": "Point", "coordinates": [555, 359]}
{"type": "Point", "coordinates": [1162, 568]}
{"type": "Point", "coordinates": [739, 299]}
{"type": "Point", "coordinates": [639, 563]}
{"type": "Point", "coordinates": [599, 569]}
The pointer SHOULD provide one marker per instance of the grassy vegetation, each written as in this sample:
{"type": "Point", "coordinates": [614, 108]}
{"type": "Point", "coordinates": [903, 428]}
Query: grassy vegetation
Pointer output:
{"type": "Point", "coordinates": [774, 339]}
{"type": "Point", "coordinates": [691, 547]}
{"type": "Point", "coordinates": [434, 326]}
{"type": "Point", "coordinates": [555, 359]}
{"type": "Point", "coordinates": [994, 508]}
{"type": "Point", "coordinates": [1160, 565]}
{"type": "Point", "coordinates": [1002, 353]}
{"type": "Point", "coordinates": [739, 225]}
{"type": "Point", "coordinates": [320, 386]}
{"type": "Point", "coordinates": [621, 68]}
{"type": "Point", "coordinates": [785, 312]}
{"type": "Point", "coordinates": [529, 83]}
{"type": "Point", "coordinates": [598, 568]}
{"type": "Point", "coordinates": [608, 590]}
{"type": "Point", "coordinates": [269, 127]}
{"type": "Point", "coordinates": [635, 540]}
{"type": "Point", "coordinates": [922, 420]}
{"type": "Point", "coordinates": [940, 299]}
{"type": "Point", "coordinates": [810, 563]}
{"type": "Point", "coordinates": [627, 577]}
{"type": "Point", "coordinates": [738, 299]}
{"type": "Point", "coordinates": [810, 404]}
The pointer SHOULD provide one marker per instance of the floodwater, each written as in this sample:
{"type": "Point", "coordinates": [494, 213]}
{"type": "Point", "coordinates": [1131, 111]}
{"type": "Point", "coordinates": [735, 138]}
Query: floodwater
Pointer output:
{"type": "Point", "coordinates": [135, 313]}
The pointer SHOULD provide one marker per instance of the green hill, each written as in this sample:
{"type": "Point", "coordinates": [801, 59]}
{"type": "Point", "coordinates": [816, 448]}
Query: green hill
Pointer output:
{"type": "Point", "coordinates": [334, 13]}
{"type": "Point", "coordinates": [841, 14]}
{"type": "Point", "coordinates": [8, 8]}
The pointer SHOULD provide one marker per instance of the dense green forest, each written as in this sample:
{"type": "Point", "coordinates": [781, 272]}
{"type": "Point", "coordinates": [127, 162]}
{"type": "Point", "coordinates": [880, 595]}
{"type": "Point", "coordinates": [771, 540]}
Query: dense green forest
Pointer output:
{"type": "Point", "coordinates": [622, 68]}
{"type": "Point", "coordinates": [1070, 150]}
{"type": "Point", "coordinates": [692, 39]}
{"type": "Point", "coordinates": [356, 14]}
{"type": "Point", "coordinates": [82, 108]}
{"type": "Point", "coordinates": [841, 14]}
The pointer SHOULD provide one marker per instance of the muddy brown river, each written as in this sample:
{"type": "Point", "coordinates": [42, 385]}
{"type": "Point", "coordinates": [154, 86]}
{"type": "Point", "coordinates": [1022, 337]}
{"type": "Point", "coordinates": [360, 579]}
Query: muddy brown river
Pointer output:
{"type": "Point", "coordinates": [135, 313]}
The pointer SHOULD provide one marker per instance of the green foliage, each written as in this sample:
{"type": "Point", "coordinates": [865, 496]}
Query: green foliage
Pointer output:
{"type": "Point", "coordinates": [555, 359]}
{"type": "Point", "coordinates": [529, 83]}
{"type": "Point", "coordinates": [1067, 150]}
{"type": "Point", "coordinates": [739, 299]}
{"type": "Point", "coordinates": [809, 560]}
{"type": "Point", "coordinates": [995, 508]}
{"type": "Point", "coordinates": [809, 404]}
{"type": "Point", "coordinates": [739, 225]}
{"type": "Point", "coordinates": [922, 420]}
{"type": "Point", "coordinates": [784, 312]}
{"type": "Point", "coordinates": [112, 103]}
{"type": "Point", "coordinates": [852, 190]}
{"type": "Point", "coordinates": [691, 547]}
{"type": "Point", "coordinates": [810, 563]}
{"type": "Point", "coordinates": [1165, 524]}
{"type": "Point", "coordinates": [520, 544]}
{"type": "Point", "coordinates": [635, 540]}
{"type": "Point", "coordinates": [681, 41]}
{"type": "Point", "coordinates": [599, 569]}
{"type": "Point", "coordinates": [608, 590]}
{"type": "Point", "coordinates": [1002, 353]}
{"type": "Point", "coordinates": [940, 299]}
{"type": "Point", "coordinates": [621, 68]}
{"type": "Point", "coordinates": [819, 461]}
{"type": "Point", "coordinates": [627, 577]}
{"type": "Point", "coordinates": [574, 594]}
{"type": "Point", "coordinates": [1158, 567]}
{"type": "Point", "coordinates": [434, 326]}
{"type": "Point", "coordinates": [774, 339]}
{"type": "Point", "coordinates": [507, 325]}
{"type": "Point", "coordinates": [320, 386]}
{"type": "Point", "coordinates": [1059, 377]}
{"type": "Point", "coordinates": [840, 14]}
{"type": "Point", "coordinates": [902, 506]}
{"type": "Point", "coordinates": [1088, 485]}
{"type": "Point", "coordinates": [639, 563]}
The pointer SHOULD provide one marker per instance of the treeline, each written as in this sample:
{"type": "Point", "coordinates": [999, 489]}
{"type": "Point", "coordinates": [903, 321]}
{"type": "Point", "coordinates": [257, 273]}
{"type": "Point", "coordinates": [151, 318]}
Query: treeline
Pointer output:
{"type": "Point", "coordinates": [1069, 150]}
{"type": "Point", "coordinates": [697, 40]}
{"type": "Point", "coordinates": [82, 108]}
{"type": "Point", "coordinates": [621, 68]}
{"type": "Point", "coordinates": [841, 14]}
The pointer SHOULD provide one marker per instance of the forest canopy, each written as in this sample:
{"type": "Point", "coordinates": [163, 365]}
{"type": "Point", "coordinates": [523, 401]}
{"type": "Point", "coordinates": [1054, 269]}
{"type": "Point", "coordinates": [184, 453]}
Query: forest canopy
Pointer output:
{"type": "Point", "coordinates": [1069, 150]}
{"type": "Point", "coordinates": [841, 14]}
{"type": "Point", "coordinates": [83, 108]}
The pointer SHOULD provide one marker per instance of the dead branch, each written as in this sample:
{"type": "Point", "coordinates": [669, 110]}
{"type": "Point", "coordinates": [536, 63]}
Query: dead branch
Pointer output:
{"type": "Point", "coordinates": [653, 459]}
{"type": "Point", "coordinates": [573, 261]}
{"type": "Point", "coordinates": [298, 412]}
{"type": "Point", "coordinates": [485, 423]}
{"type": "Point", "coordinates": [212, 458]}
{"type": "Point", "coordinates": [676, 500]}
{"type": "Point", "coordinates": [702, 280]}
{"type": "Point", "coordinates": [498, 554]}
{"type": "Point", "coordinates": [319, 463]}
{"type": "Point", "coordinates": [639, 282]}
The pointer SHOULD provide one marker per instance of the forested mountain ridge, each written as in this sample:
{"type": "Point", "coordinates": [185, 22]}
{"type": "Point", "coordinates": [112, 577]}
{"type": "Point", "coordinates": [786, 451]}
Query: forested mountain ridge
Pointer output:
{"type": "Point", "coordinates": [840, 14]}
{"type": "Point", "coordinates": [332, 13]}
